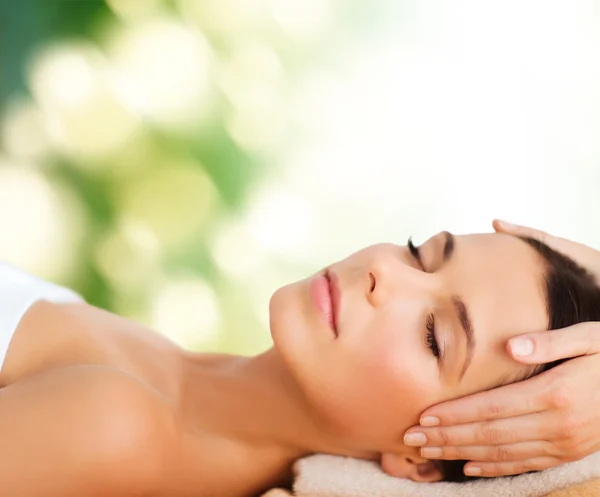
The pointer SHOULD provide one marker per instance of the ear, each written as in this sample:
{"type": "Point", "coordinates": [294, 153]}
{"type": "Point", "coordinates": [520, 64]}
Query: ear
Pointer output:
{"type": "Point", "coordinates": [411, 467]}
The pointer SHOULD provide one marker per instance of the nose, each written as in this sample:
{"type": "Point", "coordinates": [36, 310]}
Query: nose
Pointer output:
{"type": "Point", "coordinates": [389, 278]}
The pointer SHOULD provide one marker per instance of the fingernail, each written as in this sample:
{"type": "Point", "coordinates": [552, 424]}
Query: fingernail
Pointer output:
{"type": "Point", "coordinates": [472, 471]}
{"type": "Point", "coordinates": [507, 225]}
{"type": "Point", "coordinates": [429, 421]}
{"type": "Point", "coordinates": [415, 439]}
{"type": "Point", "coordinates": [521, 347]}
{"type": "Point", "coordinates": [431, 452]}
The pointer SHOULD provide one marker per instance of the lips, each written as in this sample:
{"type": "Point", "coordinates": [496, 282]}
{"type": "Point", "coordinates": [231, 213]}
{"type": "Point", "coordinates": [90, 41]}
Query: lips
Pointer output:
{"type": "Point", "coordinates": [324, 290]}
{"type": "Point", "coordinates": [334, 292]}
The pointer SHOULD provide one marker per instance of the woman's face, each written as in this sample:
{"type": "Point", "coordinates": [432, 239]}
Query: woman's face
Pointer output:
{"type": "Point", "coordinates": [370, 383]}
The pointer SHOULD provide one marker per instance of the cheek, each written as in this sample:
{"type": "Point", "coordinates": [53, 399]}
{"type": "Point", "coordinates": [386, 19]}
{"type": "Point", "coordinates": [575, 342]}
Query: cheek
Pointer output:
{"type": "Point", "coordinates": [387, 384]}
{"type": "Point", "coordinates": [403, 375]}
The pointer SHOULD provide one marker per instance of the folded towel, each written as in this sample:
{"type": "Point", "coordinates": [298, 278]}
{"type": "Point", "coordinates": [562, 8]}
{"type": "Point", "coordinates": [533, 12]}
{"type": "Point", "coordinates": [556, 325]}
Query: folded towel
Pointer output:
{"type": "Point", "coordinates": [335, 476]}
{"type": "Point", "coordinates": [587, 489]}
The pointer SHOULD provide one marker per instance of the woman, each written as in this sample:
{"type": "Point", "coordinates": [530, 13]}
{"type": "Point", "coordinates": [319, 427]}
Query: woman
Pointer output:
{"type": "Point", "coordinates": [94, 404]}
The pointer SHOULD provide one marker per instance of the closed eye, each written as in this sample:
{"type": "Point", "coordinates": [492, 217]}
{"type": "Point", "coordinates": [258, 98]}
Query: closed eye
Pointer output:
{"type": "Point", "coordinates": [430, 336]}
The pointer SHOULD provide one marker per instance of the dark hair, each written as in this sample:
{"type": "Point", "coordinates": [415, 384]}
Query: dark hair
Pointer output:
{"type": "Point", "coordinates": [572, 296]}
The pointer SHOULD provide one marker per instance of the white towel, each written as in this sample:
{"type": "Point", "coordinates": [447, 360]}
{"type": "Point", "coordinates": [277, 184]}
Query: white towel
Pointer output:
{"type": "Point", "coordinates": [335, 476]}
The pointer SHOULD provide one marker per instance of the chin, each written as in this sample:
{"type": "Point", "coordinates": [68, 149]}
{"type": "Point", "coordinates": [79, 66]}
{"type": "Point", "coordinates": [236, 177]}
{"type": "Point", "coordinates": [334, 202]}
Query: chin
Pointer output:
{"type": "Point", "coordinates": [287, 320]}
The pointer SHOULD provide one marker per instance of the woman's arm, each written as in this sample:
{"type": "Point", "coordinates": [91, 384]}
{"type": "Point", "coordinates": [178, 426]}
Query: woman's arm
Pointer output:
{"type": "Point", "coordinates": [83, 430]}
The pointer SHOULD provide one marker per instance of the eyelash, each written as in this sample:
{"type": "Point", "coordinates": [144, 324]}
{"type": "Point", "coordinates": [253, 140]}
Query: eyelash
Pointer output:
{"type": "Point", "coordinates": [430, 336]}
{"type": "Point", "coordinates": [414, 251]}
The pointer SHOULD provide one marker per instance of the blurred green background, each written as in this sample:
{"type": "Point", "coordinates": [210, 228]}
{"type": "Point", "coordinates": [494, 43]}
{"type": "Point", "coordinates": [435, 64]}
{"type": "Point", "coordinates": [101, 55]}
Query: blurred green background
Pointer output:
{"type": "Point", "coordinates": [134, 132]}
{"type": "Point", "coordinates": [177, 161]}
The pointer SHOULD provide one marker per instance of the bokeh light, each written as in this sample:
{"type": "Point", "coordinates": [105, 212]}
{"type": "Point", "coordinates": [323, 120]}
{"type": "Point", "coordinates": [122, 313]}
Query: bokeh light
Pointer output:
{"type": "Point", "coordinates": [43, 222]}
{"type": "Point", "coordinates": [175, 201]}
{"type": "Point", "coordinates": [303, 21]}
{"type": "Point", "coordinates": [165, 64]}
{"type": "Point", "coordinates": [24, 134]}
{"type": "Point", "coordinates": [133, 9]}
{"type": "Point", "coordinates": [186, 310]}
{"type": "Point", "coordinates": [129, 257]}
{"type": "Point", "coordinates": [226, 18]}
{"type": "Point", "coordinates": [83, 114]}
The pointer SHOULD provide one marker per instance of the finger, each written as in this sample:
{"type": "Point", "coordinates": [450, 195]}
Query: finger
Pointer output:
{"type": "Point", "coordinates": [585, 256]}
{"type": "Point", "coordinates": [491, 453]}
{"type": "Point", "coordinates": [490, 469]}
{"type": "Point", "coordinates": [518, 230]}
{"type": "Point", "coordinates": [496, 432]}
{"type": "Point", "coordinates": [547, 346]}
{"type": "Point", "coordinates": [507, 401]}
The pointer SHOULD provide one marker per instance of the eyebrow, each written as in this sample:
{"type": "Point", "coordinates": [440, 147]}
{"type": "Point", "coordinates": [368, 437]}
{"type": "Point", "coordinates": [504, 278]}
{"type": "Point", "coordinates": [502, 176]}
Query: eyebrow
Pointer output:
{"type": "Point", "coordinates": [465, 322]}
{"type": "Point", "coordinates": [459, 307]}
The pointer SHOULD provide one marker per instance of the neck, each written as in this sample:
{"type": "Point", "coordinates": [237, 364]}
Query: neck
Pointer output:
{"type": "Point", "coordinates": [250, 400]}
{"type": "Point", "coordinates": [238, 409]}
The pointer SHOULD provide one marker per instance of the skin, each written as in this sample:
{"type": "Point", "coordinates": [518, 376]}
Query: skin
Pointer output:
{"type": "Point", "coordinates": [545, 421]}
{"type": "Point", "coordinates": [177, 413]}
{"type": "Point", "coordinates": [379, 375]}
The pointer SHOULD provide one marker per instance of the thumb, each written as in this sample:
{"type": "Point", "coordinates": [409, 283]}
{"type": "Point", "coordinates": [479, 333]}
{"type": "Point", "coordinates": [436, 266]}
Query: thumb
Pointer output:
{"type": "Point", "coordinates": [547, 346]}
{"type": "Point", "coordinates": [518, 230]}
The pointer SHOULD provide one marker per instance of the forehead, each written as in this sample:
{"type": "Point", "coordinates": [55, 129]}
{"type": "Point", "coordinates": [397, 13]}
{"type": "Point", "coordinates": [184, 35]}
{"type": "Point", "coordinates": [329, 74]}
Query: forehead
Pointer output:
{"type": "Point", "coordinates": [500, 279]}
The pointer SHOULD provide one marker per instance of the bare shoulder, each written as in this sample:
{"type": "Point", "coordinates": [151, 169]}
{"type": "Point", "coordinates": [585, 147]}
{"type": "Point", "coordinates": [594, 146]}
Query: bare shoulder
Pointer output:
{"type": "Point", "coordinates": [95, 426]}
{"type": "Point", "coordinates": [53, 336]}
{"type": "Point", "coordinates": [131, 424]}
